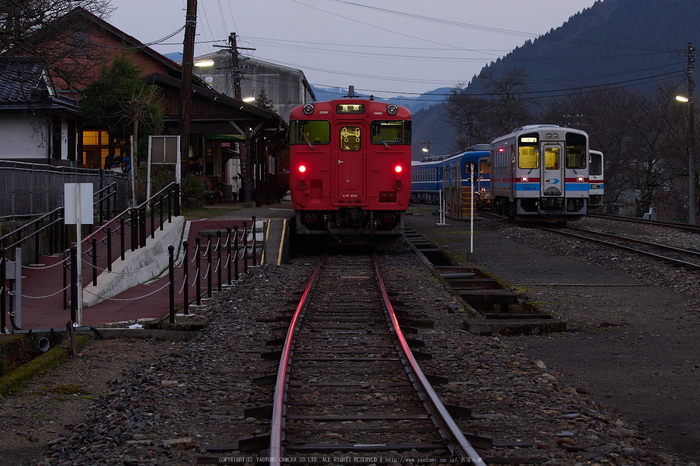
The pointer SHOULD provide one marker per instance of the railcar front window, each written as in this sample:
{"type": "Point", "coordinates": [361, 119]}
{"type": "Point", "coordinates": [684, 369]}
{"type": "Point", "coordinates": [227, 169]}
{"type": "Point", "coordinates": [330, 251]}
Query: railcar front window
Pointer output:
{"type": "Point", "coordinates": [391, 132]}
{"type": "Point", "coordinates": [576, 153]}
{"type": "Point", "coordinates": [596, 168]}
{"type": "Point", "coordinates": [528, 157]}
{"type": "Point", "coordinates": [350, 138]}
{"type": "Point", "coordinates": [576, 157]}
{"type": "Point", "coordinates": [309, 132]}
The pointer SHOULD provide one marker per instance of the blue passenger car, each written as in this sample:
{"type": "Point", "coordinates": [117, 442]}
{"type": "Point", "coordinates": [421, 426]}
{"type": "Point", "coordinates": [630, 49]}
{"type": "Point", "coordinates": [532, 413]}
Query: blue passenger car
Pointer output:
{"type": "Point", "coordinates": [448, 177]}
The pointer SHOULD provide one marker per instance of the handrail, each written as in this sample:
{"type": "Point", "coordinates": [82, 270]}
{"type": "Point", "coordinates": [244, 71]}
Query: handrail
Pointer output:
{"type": "Point", "coordinates": [109, 186]}
{"type": "Point", "coordinates": [104, 227]}
{"type": "Point", "coordinates": [145, 203]}
{"type": "Point", "coordinates": [27, 225]}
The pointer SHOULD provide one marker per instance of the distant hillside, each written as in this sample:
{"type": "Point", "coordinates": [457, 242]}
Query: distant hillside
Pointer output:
{"type": "Point", "coordinates": [414, 104]}
{"type": "Point", "coordinates": [630, 43]}
{"type": "Point", "coordinates": [174, 56]}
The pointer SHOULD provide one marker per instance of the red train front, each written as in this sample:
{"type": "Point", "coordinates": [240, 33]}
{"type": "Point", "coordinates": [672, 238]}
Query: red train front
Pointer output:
{"type": "Point", "coordinates": [350, 168]}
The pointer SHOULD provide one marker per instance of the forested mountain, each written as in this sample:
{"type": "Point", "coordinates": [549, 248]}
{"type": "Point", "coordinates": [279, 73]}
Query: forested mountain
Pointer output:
{"type": "Point", "coordinates": [615, 44]}
{"type": "Point", "coordinates": [434, 97]}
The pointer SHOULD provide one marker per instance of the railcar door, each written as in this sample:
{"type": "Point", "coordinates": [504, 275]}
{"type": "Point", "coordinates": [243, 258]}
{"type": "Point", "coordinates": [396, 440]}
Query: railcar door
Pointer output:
{"type": "Point", "coordinates": [350, 164]}
{"type": "Point", "coordinates": [552, 181]}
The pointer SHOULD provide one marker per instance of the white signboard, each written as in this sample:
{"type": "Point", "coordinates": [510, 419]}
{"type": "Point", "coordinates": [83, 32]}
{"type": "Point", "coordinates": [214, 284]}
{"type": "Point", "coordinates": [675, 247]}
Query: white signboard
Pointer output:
{"type": "Point", "coordinates": [78, 203]}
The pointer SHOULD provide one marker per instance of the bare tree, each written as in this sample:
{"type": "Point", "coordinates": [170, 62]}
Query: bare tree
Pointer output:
{"type": "Point", "coordinates": [41, 28]}
{"type": "Point", "coordinates": [508, 109]}
{"type": "Point", "coordinates": [144, 105]}
{"type": "Point", "coordinates": [644, 139]}
{"type": "Point", "coordinates": [496, 107]}
{"type": "Point", "coordinates": [605, 114]}
{"type": "Point", "coordinates": [463, 113]}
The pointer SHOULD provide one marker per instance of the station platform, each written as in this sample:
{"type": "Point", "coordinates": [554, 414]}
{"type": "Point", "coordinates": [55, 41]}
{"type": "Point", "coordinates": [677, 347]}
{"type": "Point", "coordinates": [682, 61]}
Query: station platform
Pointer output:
{"type": "Point", "coordinates": [43, 287]}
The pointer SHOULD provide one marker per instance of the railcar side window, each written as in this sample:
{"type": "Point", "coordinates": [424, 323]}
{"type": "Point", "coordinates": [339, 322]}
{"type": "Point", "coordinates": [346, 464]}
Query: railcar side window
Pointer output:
{"type": "Point", "coordinates": [528, 157]}
{"type": "Point", "coordinates": [576, 153]}
{"type": "Point", "coordinates": [309, 132]}
{"type": "Point", "coordinates": [391, 132]}
{"type": "Point", "coordinates": [350, 138]}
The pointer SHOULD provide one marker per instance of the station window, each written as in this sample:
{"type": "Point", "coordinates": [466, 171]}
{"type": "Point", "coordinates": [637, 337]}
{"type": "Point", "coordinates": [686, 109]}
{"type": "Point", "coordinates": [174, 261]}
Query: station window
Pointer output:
{"type": "Point", "coordinates": [309, 132]}
{"type": "Point", "coordinates": [350, 138]}
{"type": "Point", "coordinates": [391, 132]}
{"type": "Point", "coordinates": [96, 150]}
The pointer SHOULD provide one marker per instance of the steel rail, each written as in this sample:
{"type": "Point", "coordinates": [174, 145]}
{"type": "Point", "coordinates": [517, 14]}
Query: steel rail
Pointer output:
{"type": "Point", "coordinates": [626, 248]}
{"type": "Point", "coordinates": [436, 409]}
{"type": "Point", "coordinates": [639, 241]}
{"type": "Point", "coordinates": [278, 406]}
{"type": "Point", "coordinates": [644, 221]}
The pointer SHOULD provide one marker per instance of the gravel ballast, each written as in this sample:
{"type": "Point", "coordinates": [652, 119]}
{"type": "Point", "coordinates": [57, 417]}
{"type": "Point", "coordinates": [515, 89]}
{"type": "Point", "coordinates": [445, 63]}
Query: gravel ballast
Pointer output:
{"type": "Point", "coordinates": [164, 402]}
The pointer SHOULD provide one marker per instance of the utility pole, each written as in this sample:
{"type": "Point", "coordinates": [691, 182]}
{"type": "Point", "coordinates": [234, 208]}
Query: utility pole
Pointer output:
{"type": "Point", "coordinates": [186, 87]}
{"type": "Point", "coordinates": [236, 71]}
{"type": "Point", "coordinates": [691, 136]}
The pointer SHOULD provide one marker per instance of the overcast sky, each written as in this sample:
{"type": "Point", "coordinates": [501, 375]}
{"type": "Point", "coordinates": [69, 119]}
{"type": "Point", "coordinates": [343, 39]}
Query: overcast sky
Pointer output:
{"type": "Point", "coordinates": [384, 48]}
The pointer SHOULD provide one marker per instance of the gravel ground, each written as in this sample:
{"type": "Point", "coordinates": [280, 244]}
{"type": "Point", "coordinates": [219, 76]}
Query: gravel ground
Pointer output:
{"type": "Point", "coordinates": [633, 322]}
{"type": "Point", "coordinates": [148, 402]}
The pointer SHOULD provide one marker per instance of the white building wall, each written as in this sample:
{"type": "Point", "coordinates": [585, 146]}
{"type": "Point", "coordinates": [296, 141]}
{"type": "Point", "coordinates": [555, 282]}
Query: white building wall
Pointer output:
{"type": "Point", "coordinates": [23, 138]}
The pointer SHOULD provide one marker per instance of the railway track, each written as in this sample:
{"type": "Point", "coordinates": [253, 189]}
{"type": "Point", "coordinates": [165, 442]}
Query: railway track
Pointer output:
{"type": "Point", "coordinates": [675, 256]}
{"type": "Point", "coordinates": [661, 223]}
{"type": "Point", "coordinates": [678, 257]}
{"type": "Point", "coordinates": [348, 386]}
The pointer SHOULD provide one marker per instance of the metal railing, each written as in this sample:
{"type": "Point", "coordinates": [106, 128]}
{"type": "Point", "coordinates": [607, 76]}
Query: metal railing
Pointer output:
{"type": "Point", "coordinates": [31, 189]}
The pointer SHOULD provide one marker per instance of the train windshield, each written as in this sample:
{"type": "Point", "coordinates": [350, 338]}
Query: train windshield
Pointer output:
{"type": "Point", "coordinates": [309, 132]}
{"type": "Point", "coordinates": [528, 151]}
{"type": "Point", "coordinates": [391, 132]}
{"type": "Point", "coordinates": [528, 157]}
{"type": "Point", "coordinates": [596, 168]}
{"type": "Point", "coordinates": [576, 151]}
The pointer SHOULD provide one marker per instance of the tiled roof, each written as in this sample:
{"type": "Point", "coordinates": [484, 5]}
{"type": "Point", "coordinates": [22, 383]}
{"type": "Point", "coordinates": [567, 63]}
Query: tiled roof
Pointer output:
{"type": "Point", "coordinates": [22, 79]}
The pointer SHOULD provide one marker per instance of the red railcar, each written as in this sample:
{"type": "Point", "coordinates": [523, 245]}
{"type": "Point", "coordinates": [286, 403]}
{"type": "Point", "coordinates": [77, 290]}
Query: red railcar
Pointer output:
{"type": "Point", "coordinates": [350, 168]}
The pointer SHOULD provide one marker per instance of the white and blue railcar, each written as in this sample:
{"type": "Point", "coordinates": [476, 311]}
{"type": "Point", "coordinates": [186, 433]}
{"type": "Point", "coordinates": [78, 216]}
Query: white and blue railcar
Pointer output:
{"type": "Point", "coordinates": [541, 172]}
{"type": "Point", "coordinates": [596, 175]}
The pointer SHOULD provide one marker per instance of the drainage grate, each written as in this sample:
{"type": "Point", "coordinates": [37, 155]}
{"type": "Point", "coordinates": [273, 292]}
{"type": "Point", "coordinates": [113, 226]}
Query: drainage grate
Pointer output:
{"type": "Point", "coordinates": [498, 309]}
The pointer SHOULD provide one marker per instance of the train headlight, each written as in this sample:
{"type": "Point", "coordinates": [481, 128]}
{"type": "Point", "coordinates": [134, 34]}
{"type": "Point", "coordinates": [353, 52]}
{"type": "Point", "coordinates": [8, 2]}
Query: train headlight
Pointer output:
{"type": "Point", "coordinates": [579, 179]}
{"type": "Point", "coordinates": [524, 179]}
{"type": "Point", "coordinates": [391, 109]}
{"type": "Point", "coordinates": [308, 109]}
{"type": "Point", "coordinates": [302, 168]}
{"type": "Point", "coordinates": [398, 169]}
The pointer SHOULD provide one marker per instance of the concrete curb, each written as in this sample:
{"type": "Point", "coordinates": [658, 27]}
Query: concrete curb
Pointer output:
{"type": "Point", "coordinates": [138, 266]}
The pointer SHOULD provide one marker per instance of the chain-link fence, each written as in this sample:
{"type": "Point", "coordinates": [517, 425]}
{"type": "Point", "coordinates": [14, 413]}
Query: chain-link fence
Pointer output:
{"type": "Point", "coordinates": [28, 189]}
